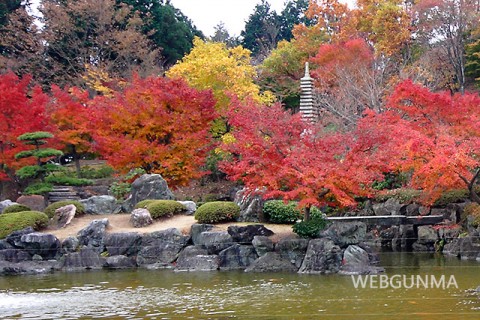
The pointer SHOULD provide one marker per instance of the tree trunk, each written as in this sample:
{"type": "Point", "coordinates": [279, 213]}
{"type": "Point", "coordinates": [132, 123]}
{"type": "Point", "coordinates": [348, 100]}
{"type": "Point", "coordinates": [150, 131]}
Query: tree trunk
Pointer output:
{"type": "Point", "coordinates": [76, 160]}
{"type": "Point", "coordinates": [306, 212]}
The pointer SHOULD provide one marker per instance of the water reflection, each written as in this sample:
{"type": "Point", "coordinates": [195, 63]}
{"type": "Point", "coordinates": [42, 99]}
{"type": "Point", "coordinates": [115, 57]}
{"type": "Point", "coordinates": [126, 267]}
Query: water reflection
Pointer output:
{"type": "Point", "coordinates": [163, 294]}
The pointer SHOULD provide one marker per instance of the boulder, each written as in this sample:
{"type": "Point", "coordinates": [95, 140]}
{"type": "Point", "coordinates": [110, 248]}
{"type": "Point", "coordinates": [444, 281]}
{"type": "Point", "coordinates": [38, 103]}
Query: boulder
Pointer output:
{"type": "Point", "coordinates": [140, 218]}
{"type": "Point", "coordinates": [27, 268]}
{"type": "Point", "coordinates": [271, 262]}
{"type": "Point", "coordinates": [35, 202]}
{"type": "Point", "coordinates": [63, 216]}
{"type": "Point", "coordinates": [214, 242]}
{"type": "Point", "coordinates": [86, 258]}
{"type": "Point", "coordinates": [466, 248]}
{"type": "Point", "coordinates": [190, 205]}
{"type": "Point", "coordinates": [356, 260]}
{"type": "Point", "coordinates": [345, 233]}
{"type": "Point", "coordinates": [101, 205]}
{"type": "Point", "coordinates": [323, 257]}
{"type": "Point", "coordinates": [262, 245]}
{"type": "Point", "coordinates": [293, 250]}
{"type": "Point", "coordinates": [69, 245]}
{"type": "Point", "coordinates": [93, 235]}
{"type": "Point", "coordinates": [390, 207]}
{"type": "Point", "coordinates": [404, 238]}
{"type": "Point", "coordinates": [122, 243]}
{"type": "Point", "coordinates": [5, 245]}
{"type": "Point", "coordinates": [412, 209]}
{"type": "Point", "coordinates": [237, 257]}
{"type": "Point", "coordinates": [6, 203]}
{"type": "Point", "coordinates": [120, 262]}
{"type": "Point", "coordinates": [148, 186]}
{"type": "Point", "coordinates": [245, 234]}
{"type": "Point", "coordinates": [14, 255]}
{"type": "Point", "coordinates": [15, 237]}
{"type": "Point", "coordinates": [160, 248]}
{"type": "Point", "coordinates": [427, 235]}
{"type": "Point", "coordinates": [251, 206]}
{"type": "Point", "coordinates": [42, 244]}
{"type": "Point", "coordinates": [389, 237]}
{"type": "Point", "coordinates": [196, 258]}
{"type": "Point", "coordinates": [196, 229]}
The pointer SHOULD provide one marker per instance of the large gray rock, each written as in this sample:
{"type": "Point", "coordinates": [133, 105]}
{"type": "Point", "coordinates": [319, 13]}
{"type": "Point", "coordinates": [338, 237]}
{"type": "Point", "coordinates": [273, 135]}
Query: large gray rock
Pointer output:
{"type": "Point", "coordinates": [214, 242]}
{"type": "Point", "coordinates": [262, 245]}
{"type": "Point", "coordinates": [15, 237]}
{"type": "Point", "coordinates": [42, 244]}
{"type": "Point", "coordinates": [101, 205]}
{"type": "Point", "coordinates": [464, 248]}
{"type": "Point", "coordinates": [427, 236]}
{"type": "Point", "coordinates": [120, 262]}
{"type": "Point", "coordinates": [86, 258]}
{"type": "Point", "coordinates": [6, 203]}
{"type": "Point", "coordinates": [345, 233]}
{"type": "Point", "coordinates": [251, 206]}
{"type": "Point", "coordinates": [93, 235]}
{"type": "Point", "coordinates": [196, 229]}
{"type": "Point", "coordinates": [390, 207]}
{"type": "Point", "coordinates": [35, 202]}
{"type": "Point", "coordinates": [70, 245]}
{"type": "Point", "coordinates": [148, 186]}
{"type": "Point", "coordinates": [293, 250]}
{"type": "Point", "coordinates": [196, 258]}
{"type": "Point", "coordinates": [63, 216]}
{"type": "Point", "coordinates": [323, 257]}
{"type": "Point", "coordinates": [140, 218]}
{"type": "Point", "coordinates": [160, 249]}
{"type": "Point", "coordinates": [27, 267]}
{"type": "Point", "coordinates": [271, 262]}
{"type": "Point", "coordinates": [237, 257]}
{"type": "Point", "coordinates": [14, 255]}
{"type": "Point", "coordinates": [190, 206]}
{"type": "Point", "coordinates": [122, 243]}
{"type": "Point", "coordinates": [245, 234]}
{"type": "Point", "coordinates": [356, 260]}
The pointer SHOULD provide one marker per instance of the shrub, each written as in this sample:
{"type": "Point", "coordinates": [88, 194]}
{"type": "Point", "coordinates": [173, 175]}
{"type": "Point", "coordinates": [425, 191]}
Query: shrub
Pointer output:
{"type": "Point", "coordinates": [403, 195]}
{"type": "Point", "coordinates": [451, 196]}
{"type": "Point", "coordinates": [50, 210]}
{"type": "Point", "coordinates": [281, 212]}
{"type": "Point", "coordinates": [16, 208]}
{"type": "Point", "coordinates": [102, 172]}
{"type": "Point", "coordinates": [218, 211]}
{"type": "Point", "coordinates": [310, 228]}
{"type": "Point", "coordinates": [120, 189]}
{"type": "Point", "coordinates": [473, 210]}
{"type": "Point", "coordinates": [164, 208]}
{"type": "Point", "coordinates": [38, 188]}
{"type": "Point", "coordinates": [67, 181]}
{"type": "Point", "coordinates": [14, 221]}
{"type": "Point", "coordinates": [144, 203]}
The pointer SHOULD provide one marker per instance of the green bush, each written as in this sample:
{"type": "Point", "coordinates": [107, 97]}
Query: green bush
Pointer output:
{"type": "Point", "coordinates": [38, 188]}
{"type": "Point", "coordinates": [144, 203]}
{"type": "Point", "coordinates": [452, 196]}
{"type": "Point", "coordinates": [102, 172]}
{"type": "Point", "coordinates": [164, 208]}
{"type": "Point", "coordinates": [67, 181]}
{"type": "Point", "coordinates": [217, 211]}
{"type": "Point", "coordinates": [50, 210]}
{"type": "Point", "coordinates": [16, 208]}
{"type": "Point", "coordinates": [403, 195]}
{"type": "Point", "coordinates": [278, 211]}
{"type": "Point", "coordinates": [310, 228]}
{"type": "Point", "coordinates": [10, 222]}
{"type": "Point", "coordinates": [120, 189]}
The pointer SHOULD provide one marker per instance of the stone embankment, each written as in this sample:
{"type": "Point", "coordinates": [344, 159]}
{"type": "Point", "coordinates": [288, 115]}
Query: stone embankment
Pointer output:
{"type": "Point", "coordinates": [251, 248]}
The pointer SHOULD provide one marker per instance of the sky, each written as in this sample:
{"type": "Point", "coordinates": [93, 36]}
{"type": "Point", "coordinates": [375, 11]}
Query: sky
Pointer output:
{"type": "Point", "coordinates": [206, 14]}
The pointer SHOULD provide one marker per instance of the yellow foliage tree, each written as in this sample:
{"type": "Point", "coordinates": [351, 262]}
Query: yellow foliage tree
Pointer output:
{"type": "Point", "coordinates": [211, 65]}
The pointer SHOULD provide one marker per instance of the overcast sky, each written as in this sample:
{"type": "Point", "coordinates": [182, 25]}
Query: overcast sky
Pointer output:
{"type": "Point", "coordinates": [206, 14]}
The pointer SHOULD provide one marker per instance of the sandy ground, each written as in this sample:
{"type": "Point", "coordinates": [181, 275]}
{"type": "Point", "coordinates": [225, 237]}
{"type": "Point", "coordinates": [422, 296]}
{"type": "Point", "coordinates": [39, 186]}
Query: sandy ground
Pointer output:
{"type": "Point", "coordinates": [120, 223]}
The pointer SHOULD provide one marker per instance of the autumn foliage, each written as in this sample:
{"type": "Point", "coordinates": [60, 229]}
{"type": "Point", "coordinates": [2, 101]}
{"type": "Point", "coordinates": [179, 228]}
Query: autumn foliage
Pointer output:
{"type": "Point", "coordinates": [157, 124]}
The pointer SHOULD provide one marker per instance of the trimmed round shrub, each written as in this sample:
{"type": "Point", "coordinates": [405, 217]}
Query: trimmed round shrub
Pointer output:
{"type": "Point", "coordinates": [144, 203]}
{"type": "Point", "coordinates": [281, 212]}
{"type": "Point", "coordinates": [16, 208]}
{"type": "Point", "coordinates": [217, 211]}
{"type": "Point", "coordinates": [50, 210]}
{"type": "Point", "coordinates": [164, 208]}
{"type": "Point", "coordinates": [310, 228]}
{"type": "Point", "coordinates": [10, 222]}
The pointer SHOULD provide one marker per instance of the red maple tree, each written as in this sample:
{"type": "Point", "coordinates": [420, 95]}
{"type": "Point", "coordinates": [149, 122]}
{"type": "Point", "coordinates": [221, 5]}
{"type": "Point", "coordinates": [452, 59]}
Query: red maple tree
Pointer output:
{"type": "Point", "coordinates": [22, 109]}
{"type": "Point", "coordinates": [157, 124]}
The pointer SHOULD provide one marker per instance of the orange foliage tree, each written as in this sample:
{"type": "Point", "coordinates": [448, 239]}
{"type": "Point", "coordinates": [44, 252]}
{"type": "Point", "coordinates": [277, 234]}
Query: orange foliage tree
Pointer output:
{"type": "Point", "coordinates": [157, 124]}
{"type": "Point", "coordinates": [22, 109]}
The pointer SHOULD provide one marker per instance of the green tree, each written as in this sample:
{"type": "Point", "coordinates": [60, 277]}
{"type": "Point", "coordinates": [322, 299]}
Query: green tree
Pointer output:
{"type": "Point", "coordinates": [222, 35]}
{"type": "Point", "coordinates": [166, 26]}
{"type": "Point", "coordinates": [291, 15]}
{"type": "Point", "coordinates": [41, 155]}
{"type": "Point", "coordinates": [472, 65]}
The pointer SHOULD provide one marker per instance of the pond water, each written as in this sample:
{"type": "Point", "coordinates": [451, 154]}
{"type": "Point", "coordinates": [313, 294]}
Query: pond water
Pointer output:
{"type": "Point", "coordinates": [164, 294]}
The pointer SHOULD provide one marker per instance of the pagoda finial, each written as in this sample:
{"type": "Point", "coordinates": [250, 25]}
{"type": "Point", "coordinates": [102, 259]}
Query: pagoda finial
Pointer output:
{"type": "Point", "coordinates": [307, 70]}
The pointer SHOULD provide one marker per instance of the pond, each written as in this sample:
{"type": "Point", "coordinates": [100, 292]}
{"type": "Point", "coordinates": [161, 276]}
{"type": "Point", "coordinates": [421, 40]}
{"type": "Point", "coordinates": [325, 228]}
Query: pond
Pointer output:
{"type": "Point", "coordinates": [164, 294]}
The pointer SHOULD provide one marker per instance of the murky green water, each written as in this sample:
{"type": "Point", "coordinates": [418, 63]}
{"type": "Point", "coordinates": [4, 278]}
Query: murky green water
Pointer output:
{"type": "Point", "coordinates": [164, 294]}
